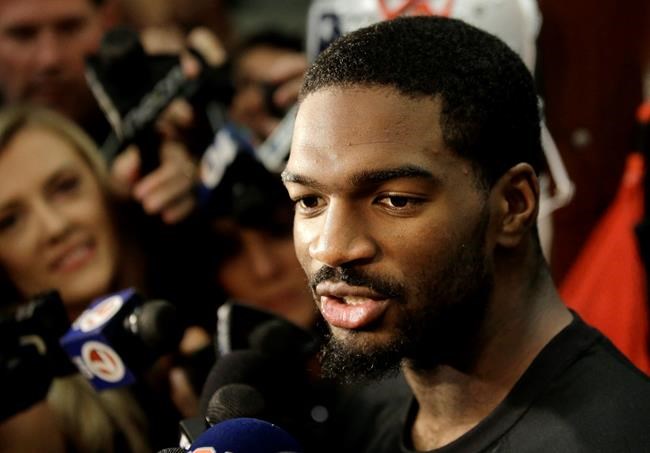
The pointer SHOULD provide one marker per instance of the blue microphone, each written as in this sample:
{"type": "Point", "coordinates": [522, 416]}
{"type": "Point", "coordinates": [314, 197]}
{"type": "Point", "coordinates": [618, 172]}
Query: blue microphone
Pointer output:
{"type": "Point", "coordinates": [120, 335]}
{"type": "Point", "coordinates": [245, 435]}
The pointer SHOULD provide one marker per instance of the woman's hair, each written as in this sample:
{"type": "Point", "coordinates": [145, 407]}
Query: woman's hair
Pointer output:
{"type": "Point", "coordinates": [14, 119]}
{"type": "Point", "coordinates": [92, 421]}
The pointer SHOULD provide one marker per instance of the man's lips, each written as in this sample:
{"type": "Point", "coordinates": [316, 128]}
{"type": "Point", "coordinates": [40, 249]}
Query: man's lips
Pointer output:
{"type": "Point", "coordinates": [350, 307]}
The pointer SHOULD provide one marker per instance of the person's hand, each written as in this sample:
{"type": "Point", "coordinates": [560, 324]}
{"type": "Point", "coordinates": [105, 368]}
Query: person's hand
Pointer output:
{"type": "Point", "coordinates": [166, 191]}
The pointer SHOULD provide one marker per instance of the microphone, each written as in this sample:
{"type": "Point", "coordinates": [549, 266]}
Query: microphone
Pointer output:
{"type": "Point", "coordinates": [235, 401]}
{"type": "Point", "coordinates": [239, 367]}
{"type": "Point", "coordinates": [120, 335]}
{"type": "Point", "coordinates": [264, 371]}
{"type": "Point", "coordinates": [30, 354]}
{"type": "Point", "coordinates": [246, 435]}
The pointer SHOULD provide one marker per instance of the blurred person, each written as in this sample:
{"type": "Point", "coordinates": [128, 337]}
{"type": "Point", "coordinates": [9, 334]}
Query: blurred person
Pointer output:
{"type": "Point", "coordinates": [254, 260]}
{"type": "Point", "coordinates": [267, 70]}
{"type": "Point", "coordinates": [63, 227]}
{"type": "Point", "coordinates": [43, 47]}
{"type": "Point", "coordinates": [413, 171]}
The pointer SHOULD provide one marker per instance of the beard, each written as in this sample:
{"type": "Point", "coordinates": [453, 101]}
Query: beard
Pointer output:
{"type": "Point", "coordinates": [442, 326]}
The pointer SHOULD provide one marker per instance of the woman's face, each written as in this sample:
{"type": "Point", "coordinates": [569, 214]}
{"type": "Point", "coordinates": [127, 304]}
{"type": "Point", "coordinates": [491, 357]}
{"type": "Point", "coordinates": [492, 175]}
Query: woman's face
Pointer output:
{"type": "Point", "coordinates": [55, 227]}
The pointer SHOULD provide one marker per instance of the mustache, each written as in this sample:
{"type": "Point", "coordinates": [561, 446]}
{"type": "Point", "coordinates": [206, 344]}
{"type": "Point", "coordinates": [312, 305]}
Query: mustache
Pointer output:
{"type": "Point", "coordinates": [353, 277]}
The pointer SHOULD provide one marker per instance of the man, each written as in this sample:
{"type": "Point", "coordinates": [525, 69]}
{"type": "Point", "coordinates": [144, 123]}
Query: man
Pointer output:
{"type": "Point", "coordinates": [413, 171]}
{"type": "Point", "coordinates": [43, 46]}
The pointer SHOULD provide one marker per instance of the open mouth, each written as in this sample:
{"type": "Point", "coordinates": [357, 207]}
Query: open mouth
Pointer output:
{"type": "Point", "coordinates": [74, 257]}
{"type": "Point", "coordinates": [351, 308]}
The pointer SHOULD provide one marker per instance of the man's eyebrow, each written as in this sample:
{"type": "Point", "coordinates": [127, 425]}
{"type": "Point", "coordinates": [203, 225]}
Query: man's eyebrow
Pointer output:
{"type": "Point", "coordinates": [378, 176]}
{"type": "Point", "coordinates": [287, 176]}
{"type": "Point", "coordinates": [366, 177]}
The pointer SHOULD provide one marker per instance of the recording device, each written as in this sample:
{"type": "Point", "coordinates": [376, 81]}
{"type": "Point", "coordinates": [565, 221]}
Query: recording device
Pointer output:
{"type": "Point", "coordinates": [234, 401]}
{"type": "Point", "coordinates": [264, 370]}
{"type": "Point", "coordinates": [30, 354]}
{"type": "Point", "coordinates": [243, 326]}
{"type": "Point", "coordinates": [133, 88]}
{"type": "Point", "coordinates": [246, 435]}
{"type": "Point", "coordinates": [118, 336]}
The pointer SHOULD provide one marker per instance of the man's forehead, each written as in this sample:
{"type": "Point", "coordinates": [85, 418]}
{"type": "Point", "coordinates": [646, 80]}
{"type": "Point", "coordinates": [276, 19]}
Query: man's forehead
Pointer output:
{"type": "Point", "coordinates": [366, 118]}
{"type": "Point", "coordinates": [41, 11]}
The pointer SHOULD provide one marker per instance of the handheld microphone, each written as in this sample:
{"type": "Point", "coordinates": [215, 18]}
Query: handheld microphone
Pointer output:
{"type": "Point", "coordinates": [30, 354]}
{"type": "Point", "coordinates": [235, 401]}
{"type": "Point", "coordinates": [120, 335]}
{"type": "Point", "coordinates": [238, 367]}
{"type": "Point", "coordinates": [246, 435]}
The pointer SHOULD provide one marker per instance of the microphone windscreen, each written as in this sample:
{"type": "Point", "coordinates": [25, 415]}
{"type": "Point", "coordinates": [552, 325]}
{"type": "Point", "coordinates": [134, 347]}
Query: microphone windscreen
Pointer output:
{"type": "Point", "coordinates": [235, 401]}
{"type": "Point", "coordinates": [281, 338]}
{"type": "Point", "coordinates": [247, 435]}
{"type": "Point", "coordinates": [158, 326]}
{"type": "Point", "coordinates": [238, 367]}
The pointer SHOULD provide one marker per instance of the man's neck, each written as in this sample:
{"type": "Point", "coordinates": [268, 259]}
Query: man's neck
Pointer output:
{"type": "Point", "coordinates": [453, 401]}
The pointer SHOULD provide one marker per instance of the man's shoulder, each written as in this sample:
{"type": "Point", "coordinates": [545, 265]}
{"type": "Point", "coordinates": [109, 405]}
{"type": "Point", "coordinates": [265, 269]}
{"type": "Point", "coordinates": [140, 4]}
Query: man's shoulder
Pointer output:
{"type": "Point", "coordinates": [598, 402]}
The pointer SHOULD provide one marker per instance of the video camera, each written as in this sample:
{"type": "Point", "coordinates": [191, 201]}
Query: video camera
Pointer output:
{"type": "Point", "coordinates": [133, 88]}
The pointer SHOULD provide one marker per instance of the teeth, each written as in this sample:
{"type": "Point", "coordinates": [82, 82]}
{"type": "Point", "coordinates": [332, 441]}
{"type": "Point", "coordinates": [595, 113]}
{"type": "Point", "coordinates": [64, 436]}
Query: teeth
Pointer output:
{"type": "Point", "coordinates": [76, 254]}
{"type": "Point", "coordinates": [353, 300]}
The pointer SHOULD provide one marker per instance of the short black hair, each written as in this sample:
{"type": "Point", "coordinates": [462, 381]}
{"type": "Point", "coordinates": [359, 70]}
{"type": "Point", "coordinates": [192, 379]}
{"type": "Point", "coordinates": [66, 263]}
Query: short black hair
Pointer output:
{"type": "Point", "coordinates": [489, 107]}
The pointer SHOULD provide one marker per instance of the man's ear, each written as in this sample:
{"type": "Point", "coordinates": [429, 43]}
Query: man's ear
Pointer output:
{"type": "Point", "coordinates": [515, 197]}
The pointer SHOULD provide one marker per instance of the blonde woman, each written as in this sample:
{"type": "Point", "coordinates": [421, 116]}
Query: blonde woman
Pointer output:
{"type": "Point", "coordinates": [60, 229]}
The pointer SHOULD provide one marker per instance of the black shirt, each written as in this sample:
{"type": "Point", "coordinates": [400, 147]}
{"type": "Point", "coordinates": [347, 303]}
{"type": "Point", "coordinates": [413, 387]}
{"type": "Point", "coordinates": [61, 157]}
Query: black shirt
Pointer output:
{"type": "Point", "coordinates": [580, 394]}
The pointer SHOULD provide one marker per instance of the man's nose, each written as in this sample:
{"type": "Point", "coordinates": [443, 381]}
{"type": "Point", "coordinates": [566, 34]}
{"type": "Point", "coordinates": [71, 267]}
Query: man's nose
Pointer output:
{"type": "Point", "coordinates": [49, 51]}
{"type": "Point", "coordinates": [344, 237]}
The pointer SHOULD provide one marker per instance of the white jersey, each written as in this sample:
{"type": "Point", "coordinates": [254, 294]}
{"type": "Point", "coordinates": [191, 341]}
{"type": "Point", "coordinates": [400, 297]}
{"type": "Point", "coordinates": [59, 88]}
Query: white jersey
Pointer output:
{"type": "Point", "coordinates": [516, 22]}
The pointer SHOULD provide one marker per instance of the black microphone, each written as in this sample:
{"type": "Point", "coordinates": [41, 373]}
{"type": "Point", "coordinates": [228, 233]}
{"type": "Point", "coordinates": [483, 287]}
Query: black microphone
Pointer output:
{"type": "Point", "coordinates": [238, 367]}
{"type": "Point", "coordinates": [235, 401]}
{"type": "Point", "coordinates": [30, 354]}
{"type": "Point", "coordinates": [118, 336]}
{"type": "Point", "coordinates": [274, 357]}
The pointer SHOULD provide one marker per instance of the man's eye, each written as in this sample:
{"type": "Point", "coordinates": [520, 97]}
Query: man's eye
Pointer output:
{"type": "Point", "coordinates": [399, 202]}
{"type": "Point", "coordinates": [71, 26]}
{"type": "Point", "coordinates": [21, 33]}
{"type": "Point", "coordinates": [307, 203]}
{"type": "Point", "coordinates": [7, 221]}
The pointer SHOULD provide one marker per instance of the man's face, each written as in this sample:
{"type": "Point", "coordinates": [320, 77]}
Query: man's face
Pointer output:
{"type": "Point", "coordinates": [43, 45]}
{"type": "Point", "coordinates": [390, 227]}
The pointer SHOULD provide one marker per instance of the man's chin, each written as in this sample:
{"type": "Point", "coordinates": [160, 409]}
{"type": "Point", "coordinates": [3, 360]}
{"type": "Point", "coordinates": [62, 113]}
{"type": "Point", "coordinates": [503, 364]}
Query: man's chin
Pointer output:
{"type": "Point", "coordinates": [353, 359]}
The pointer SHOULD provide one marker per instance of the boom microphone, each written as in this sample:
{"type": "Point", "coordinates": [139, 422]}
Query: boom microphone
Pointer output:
{"type": "Point", "coordinates": [120, 335]}
{"type": "Point", "coordinates": [246, 435]}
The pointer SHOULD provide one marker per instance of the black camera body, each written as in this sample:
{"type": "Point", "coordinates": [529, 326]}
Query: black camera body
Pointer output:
{"type": "Point", "coordinates": [133, 88]}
